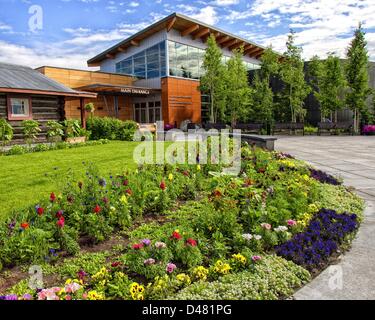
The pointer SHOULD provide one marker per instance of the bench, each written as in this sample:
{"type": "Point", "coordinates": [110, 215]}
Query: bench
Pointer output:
{"type": "Point", "coordinates": [147, 127]}
{"type": "Point", "coordinates": [217, 126]}
{"type": "Point", "coordinates": [332, 126]}
{"type": "Point", "coordinates": [291, 127]}
{"type": "Point", "coordinates": [249, 127]}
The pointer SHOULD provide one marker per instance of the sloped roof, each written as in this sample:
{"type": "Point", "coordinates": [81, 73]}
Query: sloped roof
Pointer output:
{"type": "Point", "coordinates": [188, 27]}
{"type": "Point", "coordinates": [15, 77]}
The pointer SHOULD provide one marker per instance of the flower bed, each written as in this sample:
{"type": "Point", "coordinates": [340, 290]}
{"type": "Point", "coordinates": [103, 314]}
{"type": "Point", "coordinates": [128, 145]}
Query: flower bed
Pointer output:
{"type": "Point", "coordinates": [369, 130]}
{"type": "Point", "coordinates": [183, 231]}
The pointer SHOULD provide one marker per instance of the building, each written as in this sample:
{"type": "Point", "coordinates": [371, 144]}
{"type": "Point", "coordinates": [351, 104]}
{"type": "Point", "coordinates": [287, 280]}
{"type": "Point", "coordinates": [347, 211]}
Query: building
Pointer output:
{"type": "Point", "coordinates": [27, 94]}
{"type": "Point", "coordinates": [164, 64]}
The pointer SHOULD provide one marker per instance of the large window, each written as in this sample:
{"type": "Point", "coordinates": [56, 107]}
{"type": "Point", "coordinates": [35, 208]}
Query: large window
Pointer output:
{"type": "Point", "coordinates": [147, 112]}
{"type": "Point", "coordinates": [187, 61]}
{"type": "Point", "coordinates": [148, 64]}
{"type": "Point", "coordinates": [19, 108]}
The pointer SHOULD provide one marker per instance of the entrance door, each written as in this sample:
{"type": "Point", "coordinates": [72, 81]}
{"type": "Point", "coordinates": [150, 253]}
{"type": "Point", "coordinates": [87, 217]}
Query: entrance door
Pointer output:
{"type": "Point", "coordinates": [147, 112]}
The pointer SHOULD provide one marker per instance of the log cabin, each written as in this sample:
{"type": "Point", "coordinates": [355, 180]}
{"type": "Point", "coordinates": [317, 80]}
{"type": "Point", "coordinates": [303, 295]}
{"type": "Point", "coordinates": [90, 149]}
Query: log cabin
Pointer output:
{"type": "Point", "coordinates": [27, 94]}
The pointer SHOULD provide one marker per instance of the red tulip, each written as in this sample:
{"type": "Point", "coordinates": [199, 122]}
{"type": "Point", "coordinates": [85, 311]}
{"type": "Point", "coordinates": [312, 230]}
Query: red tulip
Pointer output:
{"type": "Point", "coordinates": [61, 222]}
{"type": "Point", "coordinates": [97, 209]}
{"type": "Point", "coordinates": [40, 211]}
{"type": "Point", "coordinates": [52, 197]}
{"type": "Point", "coordinates": [25, 225]}
{"type": "Point", "coordinates": [125, 182]}
{"type": "Point", "coordinates": [137, 246]}
{"type": "Point", "coordinates": [163, 185]}
{"type": "Point", "coordinates": [186, 173]}
{"type": "Point", "coordinates": [191, 242]}
{"type": "Point", "coordinates": [176, 235]}
{"type": "Point", "coordinates": [129, 192]}
{"type": "Point", "coordinates": [59, 214]}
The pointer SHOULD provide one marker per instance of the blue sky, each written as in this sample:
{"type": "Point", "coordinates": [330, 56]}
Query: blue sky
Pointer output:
{"type": "Point", "coordinates": [72, 31]}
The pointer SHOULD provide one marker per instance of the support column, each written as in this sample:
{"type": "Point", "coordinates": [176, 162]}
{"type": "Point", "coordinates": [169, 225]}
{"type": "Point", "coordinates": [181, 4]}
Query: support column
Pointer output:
{"type": "Point", "coordinates": [83, 112]}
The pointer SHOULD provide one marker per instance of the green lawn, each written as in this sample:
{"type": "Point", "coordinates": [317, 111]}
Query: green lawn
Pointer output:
{"type": "Point", "coordinates": [24, 179]}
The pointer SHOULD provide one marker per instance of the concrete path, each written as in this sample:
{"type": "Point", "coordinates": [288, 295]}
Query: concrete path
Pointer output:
{"type": "Point", "coordinates": [353, 159]}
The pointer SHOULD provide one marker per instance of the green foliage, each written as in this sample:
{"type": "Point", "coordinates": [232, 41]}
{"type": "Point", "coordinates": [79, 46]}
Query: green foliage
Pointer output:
{"type": "Point", "coordinates": [357, 77]}
{"type": "Point", "coordinates": [237, 88]}
{"type": "Point", "coordinates": [271, 279]}
{"type": "Point", "coordinates": [55, 131]}
{"type": "Point", "coordinates": [328, 85]}
{"type": "Point", "coordinates": [41, 147]}
{"type": "Point", "coordinates": [31, 130]}
{"type": "Point", "coordinates": [6, 132]}
{"type": "Point", "coordinates": [213, 80]}
{"type": "Point", "coordinates": [111, 129]}
{"type": "Point", "coordinates": [292, 74]}
{"type": "Point", "coordinates": [25, 246]}
{"type": "Point", "coordinates": [91, 263]}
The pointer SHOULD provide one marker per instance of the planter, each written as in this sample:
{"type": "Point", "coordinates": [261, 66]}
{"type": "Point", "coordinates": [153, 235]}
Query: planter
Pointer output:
{"type": "Point", "coordinates": [76, 140]}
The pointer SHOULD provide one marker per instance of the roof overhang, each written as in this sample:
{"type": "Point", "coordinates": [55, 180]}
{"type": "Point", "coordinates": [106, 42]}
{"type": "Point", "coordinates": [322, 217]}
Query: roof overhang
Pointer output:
{"type": "Point", "coordinates": [187, 27]}
{"type": "Point", "coordinates": [75, 94]}
{"type": "Point", "coordinates": [102, 88]}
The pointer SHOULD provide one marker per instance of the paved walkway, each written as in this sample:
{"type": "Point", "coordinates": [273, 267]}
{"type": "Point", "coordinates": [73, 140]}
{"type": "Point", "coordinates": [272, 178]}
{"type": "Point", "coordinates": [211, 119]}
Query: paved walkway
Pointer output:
{"type": "Point", "coordinates": [353, 159]}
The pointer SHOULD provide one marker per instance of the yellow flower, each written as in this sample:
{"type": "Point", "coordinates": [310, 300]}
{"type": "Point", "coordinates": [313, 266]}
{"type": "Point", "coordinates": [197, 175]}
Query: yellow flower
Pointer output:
{"type": "Point", "coordinates": [136, 291]}
{"type": "Point", "coordinates": [183, 278]}
{"type": "Point", "coordinates": [200, 273]}
{"type": "Point", "coordinates": [170, 177]}
{"type": "Point", "coordinates": [94, 295]}
{"type": "Point", "coordinates": [240, 258]}
{"type": "Point", "coordinates": [124, 200]}
{"type": "Point", "coordinates": [199, 167]}
{"type": "Point", "coordinates": [221, 267]}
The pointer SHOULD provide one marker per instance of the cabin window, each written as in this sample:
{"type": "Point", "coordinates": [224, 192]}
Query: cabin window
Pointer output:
{"type": "Point", "coordinates": [19, 108]}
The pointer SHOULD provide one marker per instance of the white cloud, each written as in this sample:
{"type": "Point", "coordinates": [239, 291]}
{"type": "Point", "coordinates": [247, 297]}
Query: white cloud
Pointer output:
{"type": "Point", "coordinates": [321, 26]}
{"type": "Point", "coordinates": [206, 14]}
{"type": "Point", "coordinates": [225, 2]}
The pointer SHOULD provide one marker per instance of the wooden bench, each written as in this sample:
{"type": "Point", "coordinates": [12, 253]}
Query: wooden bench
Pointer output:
{"type": "Point", "coordinates": [333, 127]}
{"type": "Point", "coordinates": [150, 127]}
{"type": "Point", "coordinates": [217, 126]}
{"type": "Point", "coordinates": [291, 127]}
{"type": "Point", "coordinates": [249, 127]}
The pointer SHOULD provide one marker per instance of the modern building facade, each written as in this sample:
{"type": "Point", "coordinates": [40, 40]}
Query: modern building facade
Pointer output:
{"type": "Point", "coordinates": [165, 62]}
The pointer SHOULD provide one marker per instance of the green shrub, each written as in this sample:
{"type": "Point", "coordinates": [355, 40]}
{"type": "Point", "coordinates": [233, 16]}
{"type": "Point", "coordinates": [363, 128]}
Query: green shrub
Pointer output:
{"type": "Point", "coordinates": [30, 130]}
{"type": "Point", "coordinates": [111, 129]}
{"type": "Point", "coordinates": [55, 131]}
{"type": "Point", "coordinates": [17, 150]}
{"type": "Point", "coordinates": [272, 279]}
{"type": "Point", "coordinates": [6, 132]}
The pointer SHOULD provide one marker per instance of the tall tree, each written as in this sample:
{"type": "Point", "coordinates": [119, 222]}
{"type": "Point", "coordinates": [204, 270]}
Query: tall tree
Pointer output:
{"type": "Point", "coordinates": [213, 80]}
{"type": "Point", "coordinates": [292, 74]}
{"type": "Point", "coordinates": [262, 98]}
{"type": "Point", "coordinates": [357, 77]}
{"type": "Point", "coordinates": [237, 88]}
{"type": "Point", "coordinates": [328, 84]}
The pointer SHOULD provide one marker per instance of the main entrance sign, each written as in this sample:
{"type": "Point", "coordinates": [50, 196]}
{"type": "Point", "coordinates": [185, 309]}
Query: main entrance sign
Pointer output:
{"type": "Point", "coordinates": [135, 91]}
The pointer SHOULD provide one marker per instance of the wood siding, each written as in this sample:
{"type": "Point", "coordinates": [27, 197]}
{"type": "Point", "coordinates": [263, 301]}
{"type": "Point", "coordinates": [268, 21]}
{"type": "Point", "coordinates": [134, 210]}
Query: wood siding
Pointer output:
{"type": "Point", "coordinates": [181, 100]}
{"type": "Point", "coordinates": [44, 108]}
{"type": "Point", "coordinates": [104, 105]}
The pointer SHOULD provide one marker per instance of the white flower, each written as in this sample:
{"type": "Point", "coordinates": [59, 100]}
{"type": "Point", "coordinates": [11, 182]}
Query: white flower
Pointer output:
{"type": "Point", "coordinates": [247, 236]}
{"type": "Point", "coordinates": [257, 237]}
{"type": "Point", "coordinates": [281, 229]}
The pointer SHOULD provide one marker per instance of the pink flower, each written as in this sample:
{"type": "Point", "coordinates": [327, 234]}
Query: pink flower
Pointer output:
{"type": "Point", "coordinates": [256, 258]}
{"type": "Point", "coordinates": [266, 226]}
{"type": "Point", "coordinates": [291, 223]}
{"type": "Point", "coordinates": [149, 262]}
{"type": "Point", "coordinates": [61, 222]}
{"type": "Point", "coordinates": [171, 267]}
